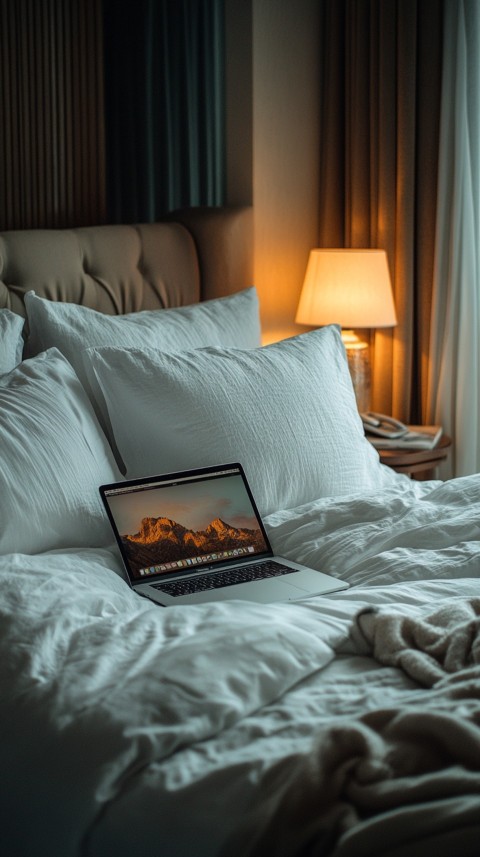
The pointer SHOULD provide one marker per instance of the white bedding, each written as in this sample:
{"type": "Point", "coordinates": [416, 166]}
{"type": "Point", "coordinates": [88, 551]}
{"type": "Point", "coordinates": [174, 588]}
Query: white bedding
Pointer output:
{"type": "Point", "coordinates": [131, 729]}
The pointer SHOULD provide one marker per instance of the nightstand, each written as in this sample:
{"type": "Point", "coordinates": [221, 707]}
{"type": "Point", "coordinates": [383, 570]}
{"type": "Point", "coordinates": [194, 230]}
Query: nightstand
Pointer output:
{"type": "Point", "coordinates": [418, 463]}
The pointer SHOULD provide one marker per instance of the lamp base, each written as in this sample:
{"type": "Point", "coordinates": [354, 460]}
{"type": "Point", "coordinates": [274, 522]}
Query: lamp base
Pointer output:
{"type": "Point", "coordinates": [359, 366]}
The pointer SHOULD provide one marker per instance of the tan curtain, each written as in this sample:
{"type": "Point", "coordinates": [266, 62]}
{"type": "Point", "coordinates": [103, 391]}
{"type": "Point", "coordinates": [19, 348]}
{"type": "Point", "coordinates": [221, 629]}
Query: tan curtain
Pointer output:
{"type": "Point", "coordinates": [52, 159]}
{"type": "Point", "coordinates": [381, 76]}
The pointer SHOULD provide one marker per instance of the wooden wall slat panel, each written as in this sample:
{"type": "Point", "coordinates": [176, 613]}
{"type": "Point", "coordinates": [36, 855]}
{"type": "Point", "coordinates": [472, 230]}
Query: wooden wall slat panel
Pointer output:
{"type": "Point", "coordinates": [52, 147]}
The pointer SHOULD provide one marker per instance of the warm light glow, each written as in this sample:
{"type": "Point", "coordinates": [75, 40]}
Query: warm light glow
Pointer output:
{"type": "Point", "coordinates": [351, 340]}
{"type": "Point", "coordinates": [351, 288]}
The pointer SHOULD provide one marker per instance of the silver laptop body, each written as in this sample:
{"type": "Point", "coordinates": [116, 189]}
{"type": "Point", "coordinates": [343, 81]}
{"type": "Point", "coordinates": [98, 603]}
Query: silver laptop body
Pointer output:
{"type": "Point", "coordinates": [197, 536]}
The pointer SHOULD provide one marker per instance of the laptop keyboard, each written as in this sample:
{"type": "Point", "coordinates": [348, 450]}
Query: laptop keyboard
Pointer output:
{"type": "Point", "coordinates": [229, 577]}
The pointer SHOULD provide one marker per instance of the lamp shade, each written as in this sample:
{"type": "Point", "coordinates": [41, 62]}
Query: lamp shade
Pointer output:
{"type": "Point", "coordinates": [351, 288]}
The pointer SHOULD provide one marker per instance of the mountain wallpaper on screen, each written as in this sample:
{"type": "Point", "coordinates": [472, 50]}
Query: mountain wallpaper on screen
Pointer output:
{"type": "Point", "coordinates": [177, 542]}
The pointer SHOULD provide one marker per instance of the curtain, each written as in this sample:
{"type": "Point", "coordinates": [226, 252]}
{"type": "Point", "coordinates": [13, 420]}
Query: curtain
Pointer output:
{"type": "Point", "coordinates": [164, 101]}
{"type": "Point", "coordinates": [380, 108]}
{"type": "Point", "coordinates": [51, 125]}
{"type": "Point", "coordinates": [454, 394]}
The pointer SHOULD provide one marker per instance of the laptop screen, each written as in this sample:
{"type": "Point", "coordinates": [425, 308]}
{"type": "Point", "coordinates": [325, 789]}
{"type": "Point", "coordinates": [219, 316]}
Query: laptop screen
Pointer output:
{"type": "Point", "coordinates": [185, 521]}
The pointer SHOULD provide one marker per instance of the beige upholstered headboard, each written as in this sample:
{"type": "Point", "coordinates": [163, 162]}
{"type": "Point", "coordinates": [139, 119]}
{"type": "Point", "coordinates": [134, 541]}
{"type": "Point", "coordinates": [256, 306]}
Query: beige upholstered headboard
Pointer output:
{"type": "Point", "coordinates": [194, 254]}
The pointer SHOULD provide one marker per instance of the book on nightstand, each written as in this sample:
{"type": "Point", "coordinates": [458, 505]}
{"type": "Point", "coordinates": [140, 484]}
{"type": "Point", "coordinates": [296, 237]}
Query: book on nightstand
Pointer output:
{"type": "Point", "coordinates": [417, 437]}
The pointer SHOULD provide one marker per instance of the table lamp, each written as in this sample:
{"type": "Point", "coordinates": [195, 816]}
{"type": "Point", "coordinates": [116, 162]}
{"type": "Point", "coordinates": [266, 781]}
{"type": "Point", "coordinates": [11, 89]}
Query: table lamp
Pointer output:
{"type": "Point", "coordinates": [351, 288]}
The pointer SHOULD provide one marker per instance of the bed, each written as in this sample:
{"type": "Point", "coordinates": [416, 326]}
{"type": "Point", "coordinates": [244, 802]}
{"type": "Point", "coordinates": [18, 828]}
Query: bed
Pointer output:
{"type": "Point", "coordinates": [342, 725]}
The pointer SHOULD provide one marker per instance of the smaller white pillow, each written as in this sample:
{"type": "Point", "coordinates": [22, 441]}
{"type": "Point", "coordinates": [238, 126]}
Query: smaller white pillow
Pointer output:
{"type": "Point", "coordinates": [233, 320]}
{"type": "Point", "coordinates": [287, 412]}
{"type": "Point", "coordinates": [53, 457]}
{"type": "Point", "coordinates": [11, 340]}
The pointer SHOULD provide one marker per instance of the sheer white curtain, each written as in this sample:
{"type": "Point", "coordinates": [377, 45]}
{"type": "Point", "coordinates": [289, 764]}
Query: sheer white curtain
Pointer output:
{"type": "Point", "coordinates": [454, 366]}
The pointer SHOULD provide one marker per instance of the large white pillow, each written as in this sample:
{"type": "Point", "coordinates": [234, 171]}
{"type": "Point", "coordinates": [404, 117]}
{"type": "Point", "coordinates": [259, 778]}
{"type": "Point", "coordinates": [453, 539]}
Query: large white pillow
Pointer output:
{"type": "Point", "coordinates": [287, 412]}
{"type": "Point", "coordinates": [233, 321]}
{"type": "Point", "coordinates": [11, 340]}
{"type": "Point", "coordinates": [53, 457]}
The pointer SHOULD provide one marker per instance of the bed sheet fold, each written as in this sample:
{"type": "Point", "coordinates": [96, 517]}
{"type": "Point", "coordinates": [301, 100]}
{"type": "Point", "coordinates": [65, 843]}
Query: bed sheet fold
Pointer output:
{"type": "Point", "coordinates": [412, 531]}
{"type": "Point", "coordinates": [99, 683]}
{"type": "Point", "coordinates": [395, 780]}
{"type": "Point", "coordinates": [132, 727]}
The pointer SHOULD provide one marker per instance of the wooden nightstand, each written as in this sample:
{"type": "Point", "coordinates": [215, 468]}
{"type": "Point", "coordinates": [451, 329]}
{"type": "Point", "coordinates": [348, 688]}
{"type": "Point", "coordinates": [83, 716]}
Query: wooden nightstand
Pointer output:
{"type": "Point", "coordinates": [418, 463]}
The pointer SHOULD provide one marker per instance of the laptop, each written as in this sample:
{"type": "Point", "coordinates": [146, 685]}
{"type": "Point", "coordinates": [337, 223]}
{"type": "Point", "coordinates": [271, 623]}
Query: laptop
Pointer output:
{"type": "Point", "coordinates": [196, 536]}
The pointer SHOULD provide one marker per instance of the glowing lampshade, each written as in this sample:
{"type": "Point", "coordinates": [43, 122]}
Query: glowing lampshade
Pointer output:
{"type": "Point", "coordinates": [351, 288]}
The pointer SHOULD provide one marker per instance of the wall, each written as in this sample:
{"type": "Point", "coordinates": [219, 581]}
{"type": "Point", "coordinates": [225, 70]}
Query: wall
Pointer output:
{"type": "Point", "coordinates": [286, 135]}
{"type": "Point", "coordinates": [273, 91]}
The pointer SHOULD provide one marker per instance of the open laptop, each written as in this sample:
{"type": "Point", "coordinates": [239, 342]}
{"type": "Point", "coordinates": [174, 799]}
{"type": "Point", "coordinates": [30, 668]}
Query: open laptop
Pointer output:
{"type": "Point", "coordinates": [197, 536]}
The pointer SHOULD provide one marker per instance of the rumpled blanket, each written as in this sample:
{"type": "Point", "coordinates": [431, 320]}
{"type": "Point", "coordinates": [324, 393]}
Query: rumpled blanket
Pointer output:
{"type": "Point", "coordinates": [396, 782]}
{"type": "Point", "coordinates": [428, 648]}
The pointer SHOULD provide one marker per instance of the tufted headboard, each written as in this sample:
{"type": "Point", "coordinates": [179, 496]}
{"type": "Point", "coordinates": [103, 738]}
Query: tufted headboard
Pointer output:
{"type": "Point", "coordinates": [193, 254]}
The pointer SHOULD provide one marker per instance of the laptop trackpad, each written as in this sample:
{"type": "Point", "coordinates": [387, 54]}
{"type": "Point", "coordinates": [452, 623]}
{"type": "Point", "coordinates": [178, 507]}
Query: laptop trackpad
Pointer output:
{"type": "Point", "coordinates": [262, 591]}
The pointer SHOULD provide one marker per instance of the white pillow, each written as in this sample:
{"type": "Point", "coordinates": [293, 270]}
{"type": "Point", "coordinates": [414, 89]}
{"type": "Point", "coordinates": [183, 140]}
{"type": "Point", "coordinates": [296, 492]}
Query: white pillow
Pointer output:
{"type": "Point", "coordinates": [233, 321]}
{"type": "Point", "coordinates": [11, 340]}
{"type": "Point", "coordinates": [53, 457]}
{"type": "Point", "coordinates": [287, 412]}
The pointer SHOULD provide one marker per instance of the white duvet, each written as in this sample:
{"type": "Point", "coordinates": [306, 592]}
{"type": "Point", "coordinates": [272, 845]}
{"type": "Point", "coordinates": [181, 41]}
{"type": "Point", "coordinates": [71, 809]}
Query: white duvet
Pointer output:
{"type": "Point", "coordinates": [132, 729]}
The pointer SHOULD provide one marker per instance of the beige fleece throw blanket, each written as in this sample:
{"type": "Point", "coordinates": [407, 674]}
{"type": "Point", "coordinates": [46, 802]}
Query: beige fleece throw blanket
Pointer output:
{"type": "Point", "coordinates": [396, 782]}
{"type": "Point", "coordinates": [428, 648]}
